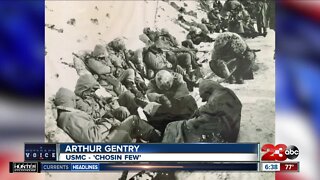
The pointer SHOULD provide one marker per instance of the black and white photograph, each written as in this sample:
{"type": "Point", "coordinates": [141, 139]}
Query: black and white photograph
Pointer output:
{"type": "Point", "coordinates": [160, 71]}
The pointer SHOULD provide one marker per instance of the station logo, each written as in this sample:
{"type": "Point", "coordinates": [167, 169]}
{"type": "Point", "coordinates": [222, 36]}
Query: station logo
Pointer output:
{"type": "Point", "coordinates": [280, 152]}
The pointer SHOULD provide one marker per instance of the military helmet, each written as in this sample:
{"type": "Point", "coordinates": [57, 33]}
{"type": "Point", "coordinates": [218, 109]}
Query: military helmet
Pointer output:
{"type": "Point", "coordinates": [99, 51]}
{"type": "Point", "coordinates": [164, 80]}
{"type": "Point", "coordinates": [65, 97]}
{"type": "Point", "coordinates": [118, 44]}
{"type": "Point", "coordinates": [203, 20]}
{"type": "Point", "coordinates": [164, 31]}
{"type": "Point", "coordinates": [146, 30]}
{"type": "Point", "coordinates": [206, 87]}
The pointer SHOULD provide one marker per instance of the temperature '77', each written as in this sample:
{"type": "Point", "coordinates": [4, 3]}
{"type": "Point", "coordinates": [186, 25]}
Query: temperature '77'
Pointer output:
{"type": "Point", "coordinates": [289, 166]}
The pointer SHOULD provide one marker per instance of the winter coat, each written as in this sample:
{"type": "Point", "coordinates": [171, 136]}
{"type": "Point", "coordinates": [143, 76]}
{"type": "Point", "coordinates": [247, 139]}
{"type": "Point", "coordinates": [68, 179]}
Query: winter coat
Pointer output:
{"type": "Point", "coordinates": [230, 5]}
{"type": "Point", "coordinates": [228, 45]}
{"type": "Point", "coordinates": [271, 15]}
{"type": "Point", "coordinates": [78, 124]}
{"type": "Point", "coordinates": [231, 53]}
{"type": "Point", "coordinates": [168, 39]}
{"type": "Point", "coordinates": [81, 127]}
{"type": "Point", "coordinates": [217, 5]}
{"type": "Point", "coordinates": [155, 60]}
{"type": "Point", "coordinates": [182, 107]}
{"type": "Point", "coordinates": [223, 107]}
{"type": "Point", "coordinates": [262, 20]}
{"type": "Point", "coordinates": [179, 89]}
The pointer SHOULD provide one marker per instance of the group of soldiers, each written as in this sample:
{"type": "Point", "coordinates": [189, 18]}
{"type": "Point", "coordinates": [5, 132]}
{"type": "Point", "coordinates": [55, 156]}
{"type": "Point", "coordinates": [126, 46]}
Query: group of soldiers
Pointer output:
{"type": "Point", "coordinates": [154, 81]}
{"type": "Point", "coordinates": [239, 16]}
{"type": "Point", "coordinates": [149, 90]}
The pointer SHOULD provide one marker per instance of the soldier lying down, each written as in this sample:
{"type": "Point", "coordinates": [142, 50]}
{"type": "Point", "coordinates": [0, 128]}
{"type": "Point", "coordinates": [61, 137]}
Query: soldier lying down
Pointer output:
{"type": "Point", "coordinates": [82, 128]}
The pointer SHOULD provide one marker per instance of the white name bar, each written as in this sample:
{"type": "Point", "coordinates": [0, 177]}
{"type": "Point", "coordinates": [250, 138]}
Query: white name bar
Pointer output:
{"type": "Point", "coordinates": [168, 157]}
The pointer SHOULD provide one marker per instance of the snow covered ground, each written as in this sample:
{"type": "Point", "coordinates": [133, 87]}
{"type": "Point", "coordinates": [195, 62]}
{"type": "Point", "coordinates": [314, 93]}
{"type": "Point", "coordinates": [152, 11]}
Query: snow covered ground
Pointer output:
{"type": "Point", "coordinates": [101, 21]}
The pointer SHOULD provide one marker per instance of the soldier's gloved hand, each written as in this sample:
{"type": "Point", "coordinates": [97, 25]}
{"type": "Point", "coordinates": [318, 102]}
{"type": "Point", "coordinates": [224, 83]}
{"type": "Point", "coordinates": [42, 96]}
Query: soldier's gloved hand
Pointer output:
{"type": "Point", "coordinates": [107, 115]}
{"type": "Point", "coordinates": [139, 95]}
{"type": "Point", "coordinates": [121, 113]}
{"type": "Point", "coordinates": [165, 101]}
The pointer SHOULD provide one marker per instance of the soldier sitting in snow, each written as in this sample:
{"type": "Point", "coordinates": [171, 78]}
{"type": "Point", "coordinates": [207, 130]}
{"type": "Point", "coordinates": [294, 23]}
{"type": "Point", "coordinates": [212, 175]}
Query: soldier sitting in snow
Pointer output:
{"type": "Point", "coordinates": [217, 121]}
{"type": "Point", "coordinates": [122, 71]}
{"type": "Point", "coordinates": [113, 70]}
{"type": "Point", "coordinates": [210, 26]}
{"type": "Point", "coordinates": [155, 60]}
{"type": "Point", "coordinates": [169, 40]}
{"type": "Point", "coordinates": [82, 128]}
{"type": "Point", "coordinates": [178, 60]}
{"type": "Point", "coordinates": [217, 5]}
{"type": "Point", "coordinates": [169, 90]}
{"type": "Point", "coordinates": [184, 62]}
{"type": "Point", "coordinates": [197, 38]}
{"type": "Point", "coordinates": [232, 58]}
{"type": "Point", "coordinates": [214, 19]}
{"type": "Point", "coordinates": [97, 107]}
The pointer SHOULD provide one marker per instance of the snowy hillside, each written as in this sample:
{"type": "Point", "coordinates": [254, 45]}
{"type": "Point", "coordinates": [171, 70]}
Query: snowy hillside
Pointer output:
{"type": "Point", "coordinates": [80, 25]}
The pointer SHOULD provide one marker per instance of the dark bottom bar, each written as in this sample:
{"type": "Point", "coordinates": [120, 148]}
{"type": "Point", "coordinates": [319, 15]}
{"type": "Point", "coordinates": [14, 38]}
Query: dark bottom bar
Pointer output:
{"type": "Point", "coordinates": [183, 166]}
{"type": "Point", "coordinates": [94, 167]}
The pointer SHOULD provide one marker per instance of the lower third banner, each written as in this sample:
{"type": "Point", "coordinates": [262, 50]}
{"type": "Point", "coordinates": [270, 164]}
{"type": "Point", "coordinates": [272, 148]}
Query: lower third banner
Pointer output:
{"type": "Point", "coordinates": [97, 167]}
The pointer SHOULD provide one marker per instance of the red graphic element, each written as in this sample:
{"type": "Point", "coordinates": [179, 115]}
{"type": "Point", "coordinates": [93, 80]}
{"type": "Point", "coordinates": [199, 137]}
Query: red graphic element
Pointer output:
{"type": "Point", "coordinates": [289, 167]}
{"type": "Point", "coordinates": [307, 8]}
{"type": "Point", "coordinates": [274, 153]}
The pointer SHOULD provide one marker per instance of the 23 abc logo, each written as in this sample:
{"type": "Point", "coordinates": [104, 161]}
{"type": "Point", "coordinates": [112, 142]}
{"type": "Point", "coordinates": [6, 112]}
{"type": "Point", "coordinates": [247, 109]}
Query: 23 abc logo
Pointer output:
{"type": "Point", "coordinates": [280, 152]}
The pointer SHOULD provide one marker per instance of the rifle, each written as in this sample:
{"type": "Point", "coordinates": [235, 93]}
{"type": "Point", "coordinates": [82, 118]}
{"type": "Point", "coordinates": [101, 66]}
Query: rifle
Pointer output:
{"type": "Point", "coordinates": [185, 50]}
{"type": "Point", "coordinates": [130, 64]}
{"type": "Point", "coordinates": [77, 56]}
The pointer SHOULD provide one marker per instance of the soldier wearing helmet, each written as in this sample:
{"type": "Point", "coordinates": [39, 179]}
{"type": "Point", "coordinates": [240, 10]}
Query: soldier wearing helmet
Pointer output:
{"type": "Point", "coordinates": [197, 38]}
{"type": "Point", "coordinates": [167, 39]}
{"type": "Point", "coordinates": [169, 90]}
{"type": "Point", "coordinates": [152, 35]}
{"type": "Point", "coordinates": [83, 128]}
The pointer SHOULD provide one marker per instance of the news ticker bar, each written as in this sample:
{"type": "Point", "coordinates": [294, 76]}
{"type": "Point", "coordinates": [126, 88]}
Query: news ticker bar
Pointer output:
{"type": "Point", "coordinates": [143, 152]}
{"type": "Point", "coordinates": [38, 167]}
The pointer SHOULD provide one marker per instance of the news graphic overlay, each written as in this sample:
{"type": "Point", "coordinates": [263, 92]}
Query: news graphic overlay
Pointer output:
{"type": "Point", "coordinates": [40, 152]}
{"type": "Point", "coordinates": [159, 152]}
{"type": "Point", "coordinates": [108, 157]}
{"type": "Point", "coordinates": [279, 154]}
{"type": "Point", "coordinates": [24, 167]}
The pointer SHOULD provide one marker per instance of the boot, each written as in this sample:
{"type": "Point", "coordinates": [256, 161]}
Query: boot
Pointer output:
{"type": "Point", "coordinates": [132, 88]}
{"type": "Point", "coordinates": [191, 84]}
{"type": "Point", "coordinates": [239, 80]}
{"type": "Point", "coordinates": [231, 80]}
